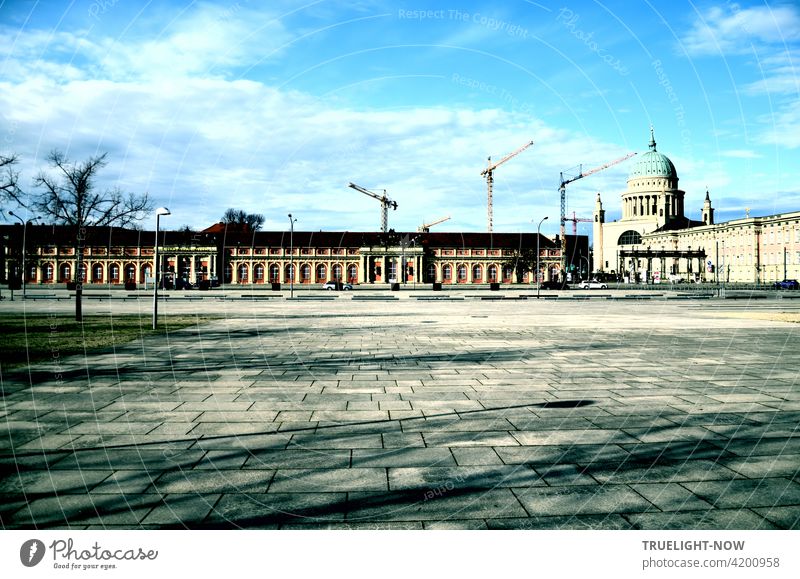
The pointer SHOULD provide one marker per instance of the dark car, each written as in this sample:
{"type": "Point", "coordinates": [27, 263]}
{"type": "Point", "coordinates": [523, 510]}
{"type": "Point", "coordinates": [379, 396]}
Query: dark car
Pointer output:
{"type": "Point", "coordinates": [787, 284]}
{"type": "Point", "coordinates": [554, 285]}
{"type": "Point", "coordinates": [337, 285]}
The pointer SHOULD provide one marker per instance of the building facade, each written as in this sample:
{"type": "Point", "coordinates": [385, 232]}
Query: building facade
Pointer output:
{"type": "Point", "coordinates": [655, 241]}
{"type": "Point", "coordinates": [227, 254]}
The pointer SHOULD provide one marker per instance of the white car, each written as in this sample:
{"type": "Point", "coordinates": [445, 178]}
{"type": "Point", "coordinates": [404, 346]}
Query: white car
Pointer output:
{"type": "Point", "coordinates": [593, 284]}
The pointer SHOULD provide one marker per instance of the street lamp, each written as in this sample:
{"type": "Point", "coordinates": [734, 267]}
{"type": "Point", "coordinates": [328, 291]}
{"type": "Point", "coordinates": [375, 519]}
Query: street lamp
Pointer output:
{"type": "Point", "coordinates": [159, 212]}
{"type": "Point", "coordinates": [24, 253]}
{"type": "Point", "coordinates": [538, 229]}
{"type": "Point", "coordinates": [291, 255]}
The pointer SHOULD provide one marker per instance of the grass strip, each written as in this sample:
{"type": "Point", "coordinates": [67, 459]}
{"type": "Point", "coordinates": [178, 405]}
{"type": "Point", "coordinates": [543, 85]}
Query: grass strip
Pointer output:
{"type": "Point", "coordinates": [29, 339]}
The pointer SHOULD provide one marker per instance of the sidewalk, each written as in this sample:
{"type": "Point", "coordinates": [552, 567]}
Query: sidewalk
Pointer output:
{"type": "Point", "coordinates": [598, 414]}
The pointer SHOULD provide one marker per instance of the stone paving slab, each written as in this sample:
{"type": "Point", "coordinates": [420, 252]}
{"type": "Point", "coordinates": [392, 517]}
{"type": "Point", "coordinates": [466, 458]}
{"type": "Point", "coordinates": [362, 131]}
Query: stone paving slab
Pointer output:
{"type": "Point", "coordinates": [489, 415]}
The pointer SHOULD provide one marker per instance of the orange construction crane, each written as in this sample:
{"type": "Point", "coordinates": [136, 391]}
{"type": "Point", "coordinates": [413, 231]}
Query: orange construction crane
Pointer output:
{"type": "Point", "coordinates": [575, 221]}
{"type": "Point", "coordinates": [488, 171]}
{"type": "Point", "coordinates": [563, 190]}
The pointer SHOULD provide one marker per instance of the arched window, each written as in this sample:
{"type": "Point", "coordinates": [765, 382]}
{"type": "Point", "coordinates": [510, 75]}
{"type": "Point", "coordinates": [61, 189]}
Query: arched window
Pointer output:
{"type": "Point", "coordinates": [47, 271]}
{"type": "Point", "coordinates": [352, 273]}
{"type": "Point", "coordinates": [321, 273]}
{"type": "Point", "coordinates": [431, 273]}
{"type": "Point", "coordinates": [97, 273]}
{"type": "Point", "coordinates": [274, 273]}
{"type": "Point", "coordinates": [492, 271]}
{"type": "Point", "coordinates": [290, 273]}
{"type": "Point", "coordinates": [337, 272]}
{"type": "Point", "coordinates": [630, 237]}
{"type": "Point", "coordinates": [258, 273]}
{"type": "Point", "coordinates": [477, 273]}
{"type": "Point", "coordinates": [447, 273]}
{"type": "Point", "coordinates": [130, 272]}
{"type": "Point", "coordinates": [508, 274]}
{"type": "Point", "coordinates": [305, 273]}
{"type": "Point", "coordinates": [462, 273]}
{"type": "Point", "coordinates": [241, 271]}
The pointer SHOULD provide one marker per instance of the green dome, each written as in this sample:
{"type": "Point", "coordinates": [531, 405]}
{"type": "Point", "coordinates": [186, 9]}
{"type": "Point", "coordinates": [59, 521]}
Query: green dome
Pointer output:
{"type": "Point", "coordinates": [653, 164]}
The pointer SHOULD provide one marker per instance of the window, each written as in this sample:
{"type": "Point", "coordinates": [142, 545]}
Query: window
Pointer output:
{"type": "Point", "coordinates": [337, 272]}
{"type": "Point", "coordinates": [431, 273]}
{"type": "Point", "coordinates": [630, 237]}
{"type": "Point", "coordinates": [305, 273]}
{"type": "Point", "coordinates": [321, 272]}
{"type": "Point", "coordinates": [242, 273]}
{"type": "Point", "coordinates": [97, 273]}
{"type": "Point", "coordinates": [462, 273]}
{"type": "Point", "coordinates": [352, 273]}
{"type": "Point", "coordinates": [392, 269]}
{"type": "Point", "coordinates": [290, 273]}
{"type": "Point", "coordinates": [274, 273]}
{"type": "Point", "coordinates": [48, 272]}
{"type": "Point", "coordinates": [130, 272]}
{"type": "Point", "coordinates": [258, 272]}
{"type": "Point", "coordinates": [447, 272]}
{"type": "Point", "coordinates": [115, 273]}
{"type": "Point", "coordinates": [477, 273]}
{"type": "Point", "coordinates": [492, 270]}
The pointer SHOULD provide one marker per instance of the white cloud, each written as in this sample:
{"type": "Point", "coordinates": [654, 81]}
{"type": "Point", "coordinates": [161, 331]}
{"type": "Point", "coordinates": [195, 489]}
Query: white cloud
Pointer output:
{"type": "Point", "coordinates": [735, 30]}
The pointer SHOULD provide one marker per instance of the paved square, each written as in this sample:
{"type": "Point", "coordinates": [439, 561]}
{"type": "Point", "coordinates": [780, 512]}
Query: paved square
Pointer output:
{"type": "Point", "coordinates": [523, 414]}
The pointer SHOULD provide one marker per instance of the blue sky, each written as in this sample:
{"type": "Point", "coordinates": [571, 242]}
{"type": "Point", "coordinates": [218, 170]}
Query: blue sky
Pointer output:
{"type": "Point", "coordinates": [275, 107]}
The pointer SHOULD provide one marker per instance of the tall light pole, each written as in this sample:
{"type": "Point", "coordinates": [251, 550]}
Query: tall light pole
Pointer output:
{"type": "Point", "coordinates": [538, 230]}
{"type": "Point", "coordinates": [291, 255]}
{"type": "Point", "coordinates": [24, 253]}
{"type": "Point", "coordinates": [156, 266]}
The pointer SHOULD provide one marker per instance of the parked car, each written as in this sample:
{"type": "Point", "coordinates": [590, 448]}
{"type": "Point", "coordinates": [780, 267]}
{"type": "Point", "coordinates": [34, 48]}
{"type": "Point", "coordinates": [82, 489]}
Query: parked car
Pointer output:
{"type": "Point", "coordinates": [554, 285]}
{"type": "Point", "coordinates": [593, 284]}
{"type": "Point", "coordinates": [337, 285]}
{"type": "Point", "coordinates": [787, 284]}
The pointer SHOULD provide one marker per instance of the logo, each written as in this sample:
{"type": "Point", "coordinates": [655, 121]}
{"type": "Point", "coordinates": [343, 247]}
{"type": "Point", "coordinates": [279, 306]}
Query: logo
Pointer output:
{"type": "Point", "coordinates": [31, 553]}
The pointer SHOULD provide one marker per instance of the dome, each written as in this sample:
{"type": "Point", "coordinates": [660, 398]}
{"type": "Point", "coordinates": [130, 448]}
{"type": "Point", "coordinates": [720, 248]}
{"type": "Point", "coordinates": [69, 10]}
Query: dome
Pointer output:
{"type": "Point", "coordinates": [653, 164]}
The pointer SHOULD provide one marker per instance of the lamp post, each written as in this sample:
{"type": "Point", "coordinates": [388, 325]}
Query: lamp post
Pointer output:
{"type": "Point", "coordinates": [159, 212]}
{"type": "Point", "coordinates": [24, 253]}
{"type": "Point", "coordinates": [291, 255]}
{"type": "Point", "coordinates": [538, 229]}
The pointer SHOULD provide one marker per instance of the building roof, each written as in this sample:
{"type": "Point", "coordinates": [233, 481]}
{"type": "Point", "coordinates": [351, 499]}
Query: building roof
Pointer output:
{"type": "Point", "coordinates": [653, 164]}
{"type": "Point", "coordinates": [233, 236]}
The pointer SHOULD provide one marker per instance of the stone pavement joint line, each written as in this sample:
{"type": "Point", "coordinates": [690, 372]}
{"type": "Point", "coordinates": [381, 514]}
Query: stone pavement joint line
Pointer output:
{"type": "Point", "coordinates": [416, 415]}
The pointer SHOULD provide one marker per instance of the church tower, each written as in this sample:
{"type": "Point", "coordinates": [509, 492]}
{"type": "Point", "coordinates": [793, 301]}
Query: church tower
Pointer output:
{"type": "Point", "coordinates": [708, 211]}
{"type": "Point", "coordinates": [597, 233]}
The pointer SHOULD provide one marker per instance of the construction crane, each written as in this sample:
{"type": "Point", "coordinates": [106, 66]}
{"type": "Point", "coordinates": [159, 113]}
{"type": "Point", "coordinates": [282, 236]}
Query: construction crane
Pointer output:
{"type": "Point", "coordinates": [575, 221]}
{"type": "Point", "coordinates": [563, 191]}
{"type": "Point", "coordinates": [426, 227]}
{"type": "Point", "coordinates": [385, 204]}
{"type": "Point", "coordinates": [488, 173]}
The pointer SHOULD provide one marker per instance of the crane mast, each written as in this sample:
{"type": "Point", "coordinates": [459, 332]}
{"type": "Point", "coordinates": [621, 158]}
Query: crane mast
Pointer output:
{"type": "Point", "coordinates": [488, 173]}
{"type": "Point", "coordinates": [563, 191]}
{"type": "Point", "coordinates": [386, 202]}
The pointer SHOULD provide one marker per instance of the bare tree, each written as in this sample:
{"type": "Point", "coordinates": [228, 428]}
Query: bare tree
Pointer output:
{"type": "Point", "coordinates": [253, 221]}
{"type": "Point", "coordinates": [69, 197]}
{"type": "Point", "coordinates": [9, 179]}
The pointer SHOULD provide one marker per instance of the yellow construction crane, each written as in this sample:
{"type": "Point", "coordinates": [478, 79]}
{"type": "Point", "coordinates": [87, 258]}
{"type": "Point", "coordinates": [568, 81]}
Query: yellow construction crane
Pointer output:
{"type": "Point", "coordinates": [385, 204]}
{"type": "Point", "coordinates": [563, 190]}
{"type": "Point", "coordinates": [488, 173]}
{"type": "Point", "coordinates": [426, 227]}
